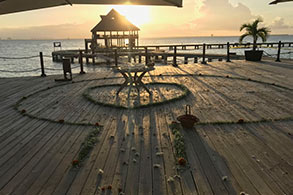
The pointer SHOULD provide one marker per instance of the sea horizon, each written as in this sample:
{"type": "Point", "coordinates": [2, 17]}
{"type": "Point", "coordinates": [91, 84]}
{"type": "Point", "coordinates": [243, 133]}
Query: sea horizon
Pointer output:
{"type": "Point", "coordinates": [141, 37]}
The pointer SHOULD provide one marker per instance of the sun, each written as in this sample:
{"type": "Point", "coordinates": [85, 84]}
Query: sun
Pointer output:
{"type": "Point", "coordinates": [138, 15]}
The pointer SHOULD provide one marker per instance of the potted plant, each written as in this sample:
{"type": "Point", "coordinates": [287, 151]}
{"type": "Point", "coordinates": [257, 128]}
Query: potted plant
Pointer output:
{"type": "Point", "coordinates": [252, 29]}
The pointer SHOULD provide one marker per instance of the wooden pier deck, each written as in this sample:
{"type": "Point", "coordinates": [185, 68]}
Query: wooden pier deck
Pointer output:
{"type": "Point", "coordinates": [135, 148]}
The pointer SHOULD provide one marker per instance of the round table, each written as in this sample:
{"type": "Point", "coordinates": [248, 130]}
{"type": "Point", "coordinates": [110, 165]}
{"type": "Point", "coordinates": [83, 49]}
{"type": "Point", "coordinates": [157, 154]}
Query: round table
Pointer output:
{"type": "Point", "coordinates": [133, 76]}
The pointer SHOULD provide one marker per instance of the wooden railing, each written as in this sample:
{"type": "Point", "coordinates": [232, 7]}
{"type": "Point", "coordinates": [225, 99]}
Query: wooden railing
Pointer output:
{"type": "Point", "coordinates": [228, 46]}
{"type": "Point", "coordinates": [217, 45]}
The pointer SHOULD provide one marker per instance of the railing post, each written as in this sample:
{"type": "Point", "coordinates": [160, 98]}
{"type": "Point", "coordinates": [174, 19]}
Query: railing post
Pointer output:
{"type": "Point", "coordinates": [203, 54]}
{"type": "Point", "coordinates": [279, 52]}
{"type": "Point", "coordinates": [42, 65]}
{"type": "Point", "coordinates": [174, 56]}
{"type": "Point", "coordinates": [185, 60]}
{"type": "Point", "coordinates": [146, 56]}
{"type": "Point", "coordinates": [81, 63]}
{"type": "Point", "coordinates": [228, 52]}
{"type": "Point", "coordinates": [116, 57]}
{"type": "Point", "coordinates": [165, 57]}
{"type": "Point", "coordinates": [129, 57]}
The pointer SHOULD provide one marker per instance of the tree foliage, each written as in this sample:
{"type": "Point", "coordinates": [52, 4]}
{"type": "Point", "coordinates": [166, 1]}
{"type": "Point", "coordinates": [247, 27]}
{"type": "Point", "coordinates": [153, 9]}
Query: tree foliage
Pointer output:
{"type": "Point", "coordinates": [252, 29]}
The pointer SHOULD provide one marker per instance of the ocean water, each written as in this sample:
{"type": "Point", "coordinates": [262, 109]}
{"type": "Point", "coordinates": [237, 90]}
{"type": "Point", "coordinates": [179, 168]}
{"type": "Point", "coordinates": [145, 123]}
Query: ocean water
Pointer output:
{"type": "Point", "coordinates": [19, 58]}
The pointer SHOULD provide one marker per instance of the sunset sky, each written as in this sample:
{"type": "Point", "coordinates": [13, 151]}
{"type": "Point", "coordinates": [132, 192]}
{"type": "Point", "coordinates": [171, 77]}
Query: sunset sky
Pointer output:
{"type": "Point", "coordinates": [196, 18]}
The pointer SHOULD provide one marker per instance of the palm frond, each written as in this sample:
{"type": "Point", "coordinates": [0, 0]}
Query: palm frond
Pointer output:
{"type": "Point", "coordinates": [263, 33]}
{"type": "Point", "coordinates": [264, 30]}
{"type": "Point", "coordinates": [255, 23]}
{"type": "Point", "coordinates": [243, 26]}
{"type": "Point", "coordinates": [243, 36]}
{"type": "Point", "coordinates": [251, 29]}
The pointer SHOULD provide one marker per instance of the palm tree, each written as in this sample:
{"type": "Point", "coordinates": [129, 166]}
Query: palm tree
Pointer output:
{"type": "Point", "coordinates": [253, 30]}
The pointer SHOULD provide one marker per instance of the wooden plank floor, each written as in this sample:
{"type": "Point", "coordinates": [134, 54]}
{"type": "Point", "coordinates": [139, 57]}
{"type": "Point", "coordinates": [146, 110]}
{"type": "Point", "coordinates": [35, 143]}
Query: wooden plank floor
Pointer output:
{"type": "Point", "coordinates": [135, 148]}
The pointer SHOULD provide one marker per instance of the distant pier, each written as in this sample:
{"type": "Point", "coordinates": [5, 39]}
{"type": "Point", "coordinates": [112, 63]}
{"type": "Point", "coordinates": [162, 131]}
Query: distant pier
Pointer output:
{"type": "Point", "coordinates": [161, 53]}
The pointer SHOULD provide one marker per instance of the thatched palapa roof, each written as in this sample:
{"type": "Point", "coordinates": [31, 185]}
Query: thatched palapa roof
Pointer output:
{"type": "Point", "coordinates": [114, 21]}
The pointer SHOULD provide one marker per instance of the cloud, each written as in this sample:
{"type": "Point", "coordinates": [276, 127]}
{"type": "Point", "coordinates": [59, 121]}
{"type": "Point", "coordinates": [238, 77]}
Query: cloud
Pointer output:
{"type": "Point", "coordinates": [279, 23]}
{"type": "Point", "coordinates": [218, 17]}
{"type": "Point", "coordinates": [60, 31]}
{"type": "Point", "coordinates": [221, 16]}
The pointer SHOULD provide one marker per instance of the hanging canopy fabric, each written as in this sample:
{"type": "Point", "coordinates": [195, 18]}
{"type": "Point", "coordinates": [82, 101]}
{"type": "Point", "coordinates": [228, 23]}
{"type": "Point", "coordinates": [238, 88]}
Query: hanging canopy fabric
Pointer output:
{"type": "Point", "coordinates": [12, 6]}
{"type": "Point", "coordinates": [279, 1]}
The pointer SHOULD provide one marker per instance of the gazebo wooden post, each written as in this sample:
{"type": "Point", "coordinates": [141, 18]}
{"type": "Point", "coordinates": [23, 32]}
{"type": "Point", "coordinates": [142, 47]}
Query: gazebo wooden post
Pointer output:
{"type": "Point", "coordinates": [105, 38]}
{"type": "Point", "coordinates": [137, 39]}
{"type": "Point", "coordinates": [116, 58]}
{"type": "Point", "coordinates": [86, 46]}
{"type": "Point", "coordinates": [110, 39]}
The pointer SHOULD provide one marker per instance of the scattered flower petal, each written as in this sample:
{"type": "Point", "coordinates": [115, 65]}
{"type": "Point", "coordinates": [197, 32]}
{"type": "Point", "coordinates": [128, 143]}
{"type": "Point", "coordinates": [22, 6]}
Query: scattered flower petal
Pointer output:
{"type": "Point", "coordinates": [224, 178]}
{"type": "Point", "coordinates": [75, 163]}
{"type": "Point", "coordinates": [170, 179]}
{"type": "Point", "coordinates": [177, 177]}
{"type": "Point", "coordinates": [101, 172]}
{"type": "Point", "coordinates": [182, 161]}
{"type": "Point", "coordinates": [240, 121]}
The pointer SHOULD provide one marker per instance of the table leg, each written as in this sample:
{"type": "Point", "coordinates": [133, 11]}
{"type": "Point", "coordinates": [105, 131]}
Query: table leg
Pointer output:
{"type": "Point", "coordinates": [126, 77]}
{"type": "Point", "coordinates": [135, 80]}
{"type": "Point", "coordinates": [122, 86]}
{"type": "Point", "coordinates": [140, 83]}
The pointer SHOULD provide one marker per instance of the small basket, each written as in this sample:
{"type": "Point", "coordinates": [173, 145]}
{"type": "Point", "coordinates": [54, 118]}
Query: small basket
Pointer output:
{"type": "Point", "coordinates": [187, 121]}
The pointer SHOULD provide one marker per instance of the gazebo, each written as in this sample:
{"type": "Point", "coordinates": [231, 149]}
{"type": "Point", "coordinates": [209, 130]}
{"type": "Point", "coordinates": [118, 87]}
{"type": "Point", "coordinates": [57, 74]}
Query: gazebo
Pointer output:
{"type": "Point", "coordinates": [113, 31]}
